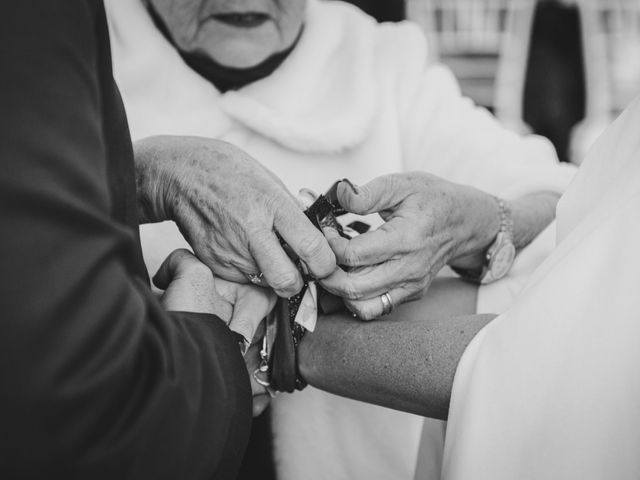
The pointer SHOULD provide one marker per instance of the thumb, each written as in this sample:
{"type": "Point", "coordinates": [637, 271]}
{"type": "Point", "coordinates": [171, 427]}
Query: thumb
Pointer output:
{"type": "Point", "coordinates": [381, 193]}
{"type": "Point", "coordinates": [250, 309]}
{"type": "Point", "coordinates": [170, 267]}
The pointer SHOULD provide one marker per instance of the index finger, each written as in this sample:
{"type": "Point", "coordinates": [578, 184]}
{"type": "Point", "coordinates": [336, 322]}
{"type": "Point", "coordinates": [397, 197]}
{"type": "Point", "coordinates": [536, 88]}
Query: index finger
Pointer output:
{"type": "Point", "coordinates": [370, 248]}
{"type": "Point", "coordinates": [307, 242]}
{"type": "Point", "coordinates": [365, 282]}
{"type": "Point", "coordinates": [278, 269]}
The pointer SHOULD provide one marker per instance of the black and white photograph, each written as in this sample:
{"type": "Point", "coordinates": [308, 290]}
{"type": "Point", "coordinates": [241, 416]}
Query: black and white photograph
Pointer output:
{"type": "Point", "coordinates": [320, 240]}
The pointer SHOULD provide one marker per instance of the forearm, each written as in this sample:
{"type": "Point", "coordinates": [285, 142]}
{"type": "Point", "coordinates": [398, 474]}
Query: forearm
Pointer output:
{"type": "Point", "coordinates": [406, 361]}
{"type": "Point", "coordinates": [165, 164]}
{"type": "Point", "coordinates": [407, 365]}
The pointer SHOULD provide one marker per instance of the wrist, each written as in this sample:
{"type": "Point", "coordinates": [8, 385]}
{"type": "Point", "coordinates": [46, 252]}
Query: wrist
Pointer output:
{"type": "Point", "coordinates": [499, 256]}
{"type": "Point", "coordinates": [480, 225]}
{"type": "Point", "coordinates": [153, 180]}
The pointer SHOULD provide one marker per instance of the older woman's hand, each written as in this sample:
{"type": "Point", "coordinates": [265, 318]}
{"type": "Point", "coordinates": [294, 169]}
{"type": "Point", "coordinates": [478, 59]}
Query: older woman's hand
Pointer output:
{"type": "Point", "coordinates": [230, 209]}
{"type": "Point", "coordinates": [428, 222]}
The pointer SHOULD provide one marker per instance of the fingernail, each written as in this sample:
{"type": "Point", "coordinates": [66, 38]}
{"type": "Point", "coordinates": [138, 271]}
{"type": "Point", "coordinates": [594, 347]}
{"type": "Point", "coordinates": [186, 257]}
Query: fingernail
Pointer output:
{"type": "Point", "coordinates": [330, 232]}
{"type": "Point", "coordinates": [354, 188]}
{"type": "Point", "coordinates": [156, 280]}
{"type": "Point", "coordinates": [243, 343]}
{"type": "Point", "coordinates": [307, 197]}
{"type": "Point", "coordinates": [244, 346]}
{"type": "Point", "coordinates": [304, 268]}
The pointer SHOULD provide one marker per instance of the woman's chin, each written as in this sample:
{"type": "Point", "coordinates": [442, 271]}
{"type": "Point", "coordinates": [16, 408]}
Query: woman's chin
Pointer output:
{"type": "Point", "coordinates": [239, 61]}
{"type": "Point", "coordinates": [242, 47]}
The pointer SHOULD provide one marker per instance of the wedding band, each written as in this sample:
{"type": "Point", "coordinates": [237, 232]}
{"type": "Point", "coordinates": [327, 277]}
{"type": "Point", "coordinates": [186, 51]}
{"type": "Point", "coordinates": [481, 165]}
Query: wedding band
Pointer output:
{"type": "Point", "coordinates": [387, 303]}
{"type": "Point", "coordinates": [255, 278]}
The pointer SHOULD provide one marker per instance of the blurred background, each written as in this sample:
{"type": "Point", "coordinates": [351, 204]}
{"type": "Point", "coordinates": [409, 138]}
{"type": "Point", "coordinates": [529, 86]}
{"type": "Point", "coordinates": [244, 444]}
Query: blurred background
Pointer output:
{"type": "Point", "coordinates": [563, 68]}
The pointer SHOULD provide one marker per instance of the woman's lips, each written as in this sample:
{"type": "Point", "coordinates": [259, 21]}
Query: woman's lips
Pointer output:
{"type": "Point", "coordinates": [242, 20]}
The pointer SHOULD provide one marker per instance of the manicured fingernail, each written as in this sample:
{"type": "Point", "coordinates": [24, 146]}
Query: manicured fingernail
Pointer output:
{"type": "Point", "coordinates": [354, 188]}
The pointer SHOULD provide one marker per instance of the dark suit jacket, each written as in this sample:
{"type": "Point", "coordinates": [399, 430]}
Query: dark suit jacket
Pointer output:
{"type": "Point", "coordinates": [96, 380]}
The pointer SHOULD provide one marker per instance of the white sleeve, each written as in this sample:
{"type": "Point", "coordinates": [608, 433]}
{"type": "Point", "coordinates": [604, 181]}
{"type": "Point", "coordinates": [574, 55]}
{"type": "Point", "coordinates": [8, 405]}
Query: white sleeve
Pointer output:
{"type": "Point", "coordinates": [446, 134]}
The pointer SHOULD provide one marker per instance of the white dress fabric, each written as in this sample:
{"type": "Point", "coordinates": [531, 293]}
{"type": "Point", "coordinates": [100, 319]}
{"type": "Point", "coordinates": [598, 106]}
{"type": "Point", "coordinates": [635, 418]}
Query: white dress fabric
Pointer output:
{"type": "Point", "coordinates": [551, 388]}
{"type": "Point", "coordinates": [354, 99]}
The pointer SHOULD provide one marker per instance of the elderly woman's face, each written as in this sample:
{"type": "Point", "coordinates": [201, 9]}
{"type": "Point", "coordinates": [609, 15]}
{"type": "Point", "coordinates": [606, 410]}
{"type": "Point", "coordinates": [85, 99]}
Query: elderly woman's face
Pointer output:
{"type": "Point", "coordinates": [234, 33]}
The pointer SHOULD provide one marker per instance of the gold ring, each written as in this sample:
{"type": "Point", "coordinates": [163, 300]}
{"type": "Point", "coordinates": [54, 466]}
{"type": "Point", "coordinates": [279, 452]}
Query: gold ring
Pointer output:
{"type": "Point", "coordinates": [387, 303]}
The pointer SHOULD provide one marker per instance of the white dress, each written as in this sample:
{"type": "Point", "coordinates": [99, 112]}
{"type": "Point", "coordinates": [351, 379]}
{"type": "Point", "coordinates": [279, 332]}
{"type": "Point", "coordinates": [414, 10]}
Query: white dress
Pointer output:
{"type": "Point", "coordinates": [354, 99]}
{"type": "Point", "coordinates": [551, 388]}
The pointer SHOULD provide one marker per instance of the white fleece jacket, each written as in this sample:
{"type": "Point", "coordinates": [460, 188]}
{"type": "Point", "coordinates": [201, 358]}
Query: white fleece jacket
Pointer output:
{"type": "Point", "coordinates": [354, 99]}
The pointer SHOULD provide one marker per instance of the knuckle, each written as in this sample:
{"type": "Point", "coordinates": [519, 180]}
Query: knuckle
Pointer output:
{"type": "Point", "coordinates": [351, 257]}
{"type": "Point", "coordinates": [418, 278]}
{"type": "Point", "coordinates": [274, 203]}
{"type": "Point", "coordinates": [364, 194]}
{"type": "Point", "coordinates": [410, 241]}
{"type": "Point", "coordinates": [415, 271]}
{"type": "Point", "coordinates": [285, 280]}
{"type": "Point", "coordinates": [351, 292]}
{"type": "Point", "coordinates": [313, 247]}
{"type": "Point", "coordinates": [257, 232]}
{"type": "Point", "coordinates": [403, 183]}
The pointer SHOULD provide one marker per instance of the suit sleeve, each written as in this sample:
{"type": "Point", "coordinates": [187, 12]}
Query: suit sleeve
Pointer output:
{"type": "Point", "coordinates": [96, 380]}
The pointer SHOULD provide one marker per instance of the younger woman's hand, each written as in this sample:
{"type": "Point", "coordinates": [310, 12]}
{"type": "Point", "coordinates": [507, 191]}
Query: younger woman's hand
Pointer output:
{"type": "Point", "coordinates": [190, 286]}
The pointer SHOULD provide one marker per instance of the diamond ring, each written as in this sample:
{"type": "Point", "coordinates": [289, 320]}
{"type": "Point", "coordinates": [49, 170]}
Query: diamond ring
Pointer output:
{"type": "Point", "coordinates": [255, 278]}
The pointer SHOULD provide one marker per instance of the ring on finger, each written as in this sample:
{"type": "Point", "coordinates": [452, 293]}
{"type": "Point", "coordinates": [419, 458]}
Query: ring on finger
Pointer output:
{"type": "Point", "coordinates": [255, 278]}
{"type": "Point", "coordinates": [387, 303]}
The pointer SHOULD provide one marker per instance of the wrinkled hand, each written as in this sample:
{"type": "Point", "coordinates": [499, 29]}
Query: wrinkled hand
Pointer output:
{"type": "Point", "coordinates": [191, 287]}
{"type": "Point", "coordinates": [229, 208]}
{"type": "Point", "coordinates": [428, 222]}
